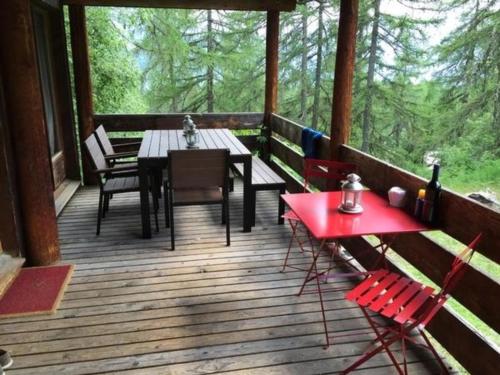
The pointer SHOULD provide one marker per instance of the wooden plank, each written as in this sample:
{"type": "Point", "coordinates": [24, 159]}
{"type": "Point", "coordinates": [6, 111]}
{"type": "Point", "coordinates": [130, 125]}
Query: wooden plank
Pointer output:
{"type": "Point", "coordinates": [170, 121]}
{"type": "Point", "coordinates": [271, 84]}
{"type": "Point", "coordinates": [25, 113]}
{"type": "Point", "coordinates": [340, 127]}
{"type": "Point", "coordinates": [258, 5]}
{"type": "Point", "coordinates": [288, 155]}
{"type": "Point", "coordinates": [292, 132]}
{"type": "Point", "coordinates": [292, 184]}
{"type": "Point", "coordinates": [460, 217]}
{"type": "Point", "coordinates": [83, 83]}
{"type": "Point", "coordinates": [467, 346]}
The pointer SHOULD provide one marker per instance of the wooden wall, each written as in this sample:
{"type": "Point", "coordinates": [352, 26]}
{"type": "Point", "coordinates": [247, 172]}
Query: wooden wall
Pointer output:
{"type": "Point", "coordinates": [25, 115]}
{"type": "Point", "coordinates": [461, 218]}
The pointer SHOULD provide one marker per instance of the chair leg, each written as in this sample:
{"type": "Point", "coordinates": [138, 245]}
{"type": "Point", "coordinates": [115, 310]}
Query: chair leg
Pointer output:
{"type": "Point", "coordinates": [281, 207]}
{"type": "Point", "coordinates": [165, 201]}
{"type": "Point", "coordinates": [294, 228]}
{"type": "Point", "coordinates": [108, 199]}
{"type": "Point", "coordinates": [99, 213]}
{"type": "Point", "coordinates": [172, 236]}
{"type": "Point", "coordinates": [104, 205]}
{"type": "Point", "coordinates": [223, 216]}
{"type": "Point", "coordinates": [228, 229]}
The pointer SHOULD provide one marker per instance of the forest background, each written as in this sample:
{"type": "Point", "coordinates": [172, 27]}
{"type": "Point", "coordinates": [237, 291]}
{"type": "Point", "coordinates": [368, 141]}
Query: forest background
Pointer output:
{"type": "Point", "coordinates": [427, 74]}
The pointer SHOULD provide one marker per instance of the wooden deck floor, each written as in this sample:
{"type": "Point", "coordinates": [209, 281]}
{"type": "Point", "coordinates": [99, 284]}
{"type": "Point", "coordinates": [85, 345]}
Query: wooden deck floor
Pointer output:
{"type": "Point", "coordinates": [133, 307]}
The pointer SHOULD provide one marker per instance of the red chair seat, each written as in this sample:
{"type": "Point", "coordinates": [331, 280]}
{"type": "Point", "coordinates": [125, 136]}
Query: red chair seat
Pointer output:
{"type": "Point", "coordinates": [391, 295]}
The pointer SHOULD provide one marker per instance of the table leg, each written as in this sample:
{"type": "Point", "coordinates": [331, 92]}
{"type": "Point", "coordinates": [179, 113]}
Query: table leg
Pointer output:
{"type": "Point", "coordinates": [248, 208]}
{"type": "Point", "coordinates": [385, 243]}
{"type": "Point", "coordinates": [144, 186]}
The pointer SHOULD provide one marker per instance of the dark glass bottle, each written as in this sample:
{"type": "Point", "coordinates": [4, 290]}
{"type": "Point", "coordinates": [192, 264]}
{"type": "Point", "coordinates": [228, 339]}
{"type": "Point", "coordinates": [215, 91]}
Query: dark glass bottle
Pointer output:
{"type": "Point", "coordinates": [432, 193]}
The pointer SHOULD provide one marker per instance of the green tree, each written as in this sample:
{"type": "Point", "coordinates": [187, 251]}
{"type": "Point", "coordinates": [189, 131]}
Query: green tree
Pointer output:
{"type": "Point", "coordinates": [115, 74]}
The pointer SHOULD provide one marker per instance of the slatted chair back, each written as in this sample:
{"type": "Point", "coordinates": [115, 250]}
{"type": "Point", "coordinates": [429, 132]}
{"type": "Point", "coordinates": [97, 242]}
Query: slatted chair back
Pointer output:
{"type": "Point", "coordinates": [104, 142]}
{"type": "Point", "coordinates": [95, 155]}
{"type": "Point", "coordinates": [332, 172]}
{"type": "Point", "coordinates": [458, 268]}
{"type": "Point", "coordinates": [198, 169]}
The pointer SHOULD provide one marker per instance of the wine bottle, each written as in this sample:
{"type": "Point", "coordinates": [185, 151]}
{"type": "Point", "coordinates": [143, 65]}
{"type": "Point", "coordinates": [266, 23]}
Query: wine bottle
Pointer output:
{"type": "Point", "coordinates": [430, 211]}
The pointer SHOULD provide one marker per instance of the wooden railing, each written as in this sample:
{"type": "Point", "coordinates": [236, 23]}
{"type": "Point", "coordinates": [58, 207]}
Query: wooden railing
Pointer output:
{"type": "Point", "coordinates": [461, 218]}
{"type": "Point", "coordinates": [138, 123]}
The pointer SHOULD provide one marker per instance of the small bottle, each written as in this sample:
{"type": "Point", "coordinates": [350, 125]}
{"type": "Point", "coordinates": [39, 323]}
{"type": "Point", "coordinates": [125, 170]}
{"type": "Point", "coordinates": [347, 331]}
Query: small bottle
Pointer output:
{"type": "Point", "coordinates": [419, 204]}
{"type": "Point", "coordinates": [430, 210]}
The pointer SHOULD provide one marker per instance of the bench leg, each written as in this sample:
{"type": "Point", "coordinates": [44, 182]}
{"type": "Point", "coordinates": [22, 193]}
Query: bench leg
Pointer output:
{"type": "Point", "coordinates": [281, 207]}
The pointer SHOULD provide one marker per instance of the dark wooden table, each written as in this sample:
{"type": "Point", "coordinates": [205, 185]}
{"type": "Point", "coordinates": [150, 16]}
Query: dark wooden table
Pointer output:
{"type": "Point", "coordinates": [153, 154]}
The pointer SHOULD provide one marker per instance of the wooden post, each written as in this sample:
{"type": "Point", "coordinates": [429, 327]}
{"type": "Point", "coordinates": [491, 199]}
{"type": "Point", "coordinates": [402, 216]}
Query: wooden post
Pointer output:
{"type": "Point", "coordinates": [83, 83]}
{"type": "Point", "coordinates": [344, 72]}
{"type": "Point", "coordinates": [10, 228]}
{"type": "Point", "coordinates": [272, 46]}
{"type": "Point", "coordinates": [25, 115]}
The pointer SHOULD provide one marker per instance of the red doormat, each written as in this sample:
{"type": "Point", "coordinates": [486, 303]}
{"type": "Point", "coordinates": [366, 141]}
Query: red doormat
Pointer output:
{"type": "Point", "coordinates": [36, 290]}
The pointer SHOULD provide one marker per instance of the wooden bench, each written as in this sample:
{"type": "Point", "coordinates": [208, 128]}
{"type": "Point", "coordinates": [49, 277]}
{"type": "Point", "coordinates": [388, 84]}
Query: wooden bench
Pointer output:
{"type": "Point", "coordinates": [264, 178]}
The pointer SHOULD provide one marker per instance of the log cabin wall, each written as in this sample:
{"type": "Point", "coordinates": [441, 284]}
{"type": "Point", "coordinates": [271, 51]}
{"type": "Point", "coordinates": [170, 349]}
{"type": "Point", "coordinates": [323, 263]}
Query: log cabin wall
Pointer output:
{"type": "Point", "coordinates": [461, 218]}
{"type": "Point", "coordinates": [10, 229]}
{"type": "Point", "coordinates": [25, 115]}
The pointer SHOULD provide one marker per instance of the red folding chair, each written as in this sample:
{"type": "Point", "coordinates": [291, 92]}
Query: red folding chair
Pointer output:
{"type": "Point", "coordinates": [409, 304]}
{"type": "Point", "coordinates": [331, 172]}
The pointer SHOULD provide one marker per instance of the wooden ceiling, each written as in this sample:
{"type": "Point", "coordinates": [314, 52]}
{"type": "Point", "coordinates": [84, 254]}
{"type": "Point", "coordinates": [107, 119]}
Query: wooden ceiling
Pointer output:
{"type": "Point", "coordinates": [258, 5]}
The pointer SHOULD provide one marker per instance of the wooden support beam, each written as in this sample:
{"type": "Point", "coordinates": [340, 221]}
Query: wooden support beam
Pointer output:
{"type": "Point", "coordinates": [260, 5]}
{"type": "Point", "coordinates": [25, 114]}
{"type": "Point", "coordinates": [271, 98]}
{"type": "Point", "coordinates": [83, 83]}
{"type": "Point", "coordinates": [344, 72]}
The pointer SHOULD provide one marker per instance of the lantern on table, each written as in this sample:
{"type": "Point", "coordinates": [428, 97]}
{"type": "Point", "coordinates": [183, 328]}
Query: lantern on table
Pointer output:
{"type": "Point", "coordinates": [351, 195]}
{"type": "Point", "coordinates": [190, 132]}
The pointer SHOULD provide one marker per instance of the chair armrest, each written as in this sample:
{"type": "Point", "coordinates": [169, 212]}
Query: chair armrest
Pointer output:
{"type": "Point", "coordinates": [115, 169]}
{"type": "Point", "coordinates": [121, 155]}
{"type": "Point", "coordinates": [131, 144]}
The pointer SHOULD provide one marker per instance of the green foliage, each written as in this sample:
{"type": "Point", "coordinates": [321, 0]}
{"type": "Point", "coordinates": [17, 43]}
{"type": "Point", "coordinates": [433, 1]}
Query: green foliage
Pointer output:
{"type": "Point", "coordinates": [115, 75]}
{"type": "Point", "coordinates": [153, 60]}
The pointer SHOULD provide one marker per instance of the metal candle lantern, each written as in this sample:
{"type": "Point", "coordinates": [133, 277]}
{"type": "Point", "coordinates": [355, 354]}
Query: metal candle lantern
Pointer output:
{"type": "Point", "coordinates": [191, 133]}
{"type": "Point", "coordinates": [187, 123]}
{"type": "Point", "coordinates": [351, 195]}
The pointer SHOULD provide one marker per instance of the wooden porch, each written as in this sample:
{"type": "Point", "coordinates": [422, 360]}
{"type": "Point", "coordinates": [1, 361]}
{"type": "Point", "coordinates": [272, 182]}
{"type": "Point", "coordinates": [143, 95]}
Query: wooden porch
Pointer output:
{"type": "Point", "coordinates": [133, 307]}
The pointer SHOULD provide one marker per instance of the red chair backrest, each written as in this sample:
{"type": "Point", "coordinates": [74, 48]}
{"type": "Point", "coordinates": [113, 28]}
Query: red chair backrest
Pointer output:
{"type": "Point", "coordinates": [329, 170]}
{"type": "Point", "coordinates": [458, 267]}
{"type": "Point", "coordinates": [449, 283]}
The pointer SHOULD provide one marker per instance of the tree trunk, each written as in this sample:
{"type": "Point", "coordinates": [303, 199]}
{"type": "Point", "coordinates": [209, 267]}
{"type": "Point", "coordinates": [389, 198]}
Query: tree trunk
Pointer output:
{"type": "Point", "coordinates": [210, 68]}
{"type": "Point", "coordinates": [171, 71]}
{"type": "Point", "coordinates": [367, 112]}
{"type": "Point", "coordinates": [319, 59]}
{"type": "Point", "coordinates": [303, 71]}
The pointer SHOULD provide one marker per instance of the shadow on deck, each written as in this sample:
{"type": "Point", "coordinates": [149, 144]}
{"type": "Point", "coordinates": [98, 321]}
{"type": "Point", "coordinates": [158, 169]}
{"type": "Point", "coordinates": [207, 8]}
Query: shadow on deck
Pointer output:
{"type": "Point", "coordinates": [133, 307]}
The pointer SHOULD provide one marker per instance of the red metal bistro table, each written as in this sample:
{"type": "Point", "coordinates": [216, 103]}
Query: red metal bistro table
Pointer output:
{"type": "Point", "coordinates": [320, 215]}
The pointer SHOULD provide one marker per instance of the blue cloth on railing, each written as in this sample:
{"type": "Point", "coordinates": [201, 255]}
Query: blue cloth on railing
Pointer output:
{"type": "Point", "coordinates": [310, 140]}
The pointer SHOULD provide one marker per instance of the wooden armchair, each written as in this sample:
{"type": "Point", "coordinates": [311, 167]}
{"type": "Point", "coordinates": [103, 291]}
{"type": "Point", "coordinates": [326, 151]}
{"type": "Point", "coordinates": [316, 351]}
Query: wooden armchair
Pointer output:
{"type": "Point", "coordinates": [197, 177]}
{"type": "Point", "coordinates": [110, 154]}
{"type": "Point", "coordinates": [112, 180]}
